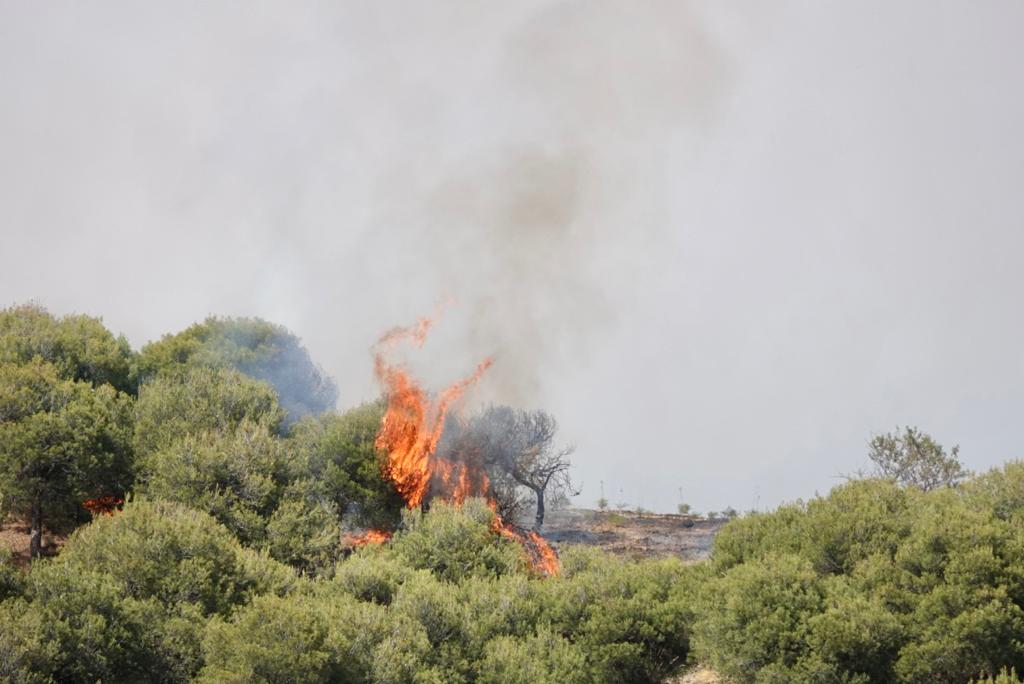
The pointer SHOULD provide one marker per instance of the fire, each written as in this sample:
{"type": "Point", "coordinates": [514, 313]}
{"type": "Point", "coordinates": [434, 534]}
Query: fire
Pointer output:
{"type": "Point", "coordinates": [410, 431]}
{"type": "Point", "coordinates": [412, 427]}
{"type": "Point", "coordinates": [371, 537]}
{"type": "Point", "coordinates": [104, 505]}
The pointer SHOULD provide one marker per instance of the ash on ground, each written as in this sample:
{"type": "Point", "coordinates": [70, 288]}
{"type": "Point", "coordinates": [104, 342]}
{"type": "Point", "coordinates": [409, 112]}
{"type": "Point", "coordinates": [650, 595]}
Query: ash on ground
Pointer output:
{"type": "Point", "coordinates": [634, 535]}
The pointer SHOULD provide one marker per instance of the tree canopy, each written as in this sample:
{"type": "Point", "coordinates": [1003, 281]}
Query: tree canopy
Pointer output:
{"type": "Point", "coordinates": [78, 346]}
{"type": "Point", "coordinates": [61, 442]}
{"type": "Point", "coordinates": [257, 348]}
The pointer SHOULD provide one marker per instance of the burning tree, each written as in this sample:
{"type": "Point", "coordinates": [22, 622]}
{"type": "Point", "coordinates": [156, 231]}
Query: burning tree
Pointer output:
{"type": "Point", "coordinates": [517, 448]}
{"type": "Point", "coordinates": [410, 435]}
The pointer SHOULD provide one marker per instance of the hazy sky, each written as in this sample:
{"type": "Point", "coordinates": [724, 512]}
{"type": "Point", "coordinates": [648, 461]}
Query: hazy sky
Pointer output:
{"type": "Point", "coordinates": [724, 243]}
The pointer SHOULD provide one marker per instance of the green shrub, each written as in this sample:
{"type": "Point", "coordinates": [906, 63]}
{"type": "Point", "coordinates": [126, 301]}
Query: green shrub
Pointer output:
{"type": "Point", "coordinates": [1004, 677]}
{"type": "Point", "coordinates": [871, 583]}
{"type": "Point", "coordinates": [543, 658]}
{"type": "Point", "coordinates": [338, 452]}
{"type": "Point", "coordinates": [371, 575]}
{"type": "Point", "coordinates": [274, 639]}
{"type": "Point", "coordinates": [236, 477]}
{"type": "Point", "coordinates": [629, 618]}
{"type": "Point", "coordinates": [304, 534]}
{"type": "Point", "coordinates": [88, 629]}
{"type": "Point", "coordinates": [195, 401]}
{"type": "Point", "coordinates": [27, 655]}
{"type": "Point", "coordinates": [756, 614]}
{"type": "Point", "coordinates": [11, 578]}
{"type": "Point", "coordinates": [260, 349]}
{"type": "Point", "coordinates": [456, 542]}
{"type": "Point", "coordinates": [162, 550]}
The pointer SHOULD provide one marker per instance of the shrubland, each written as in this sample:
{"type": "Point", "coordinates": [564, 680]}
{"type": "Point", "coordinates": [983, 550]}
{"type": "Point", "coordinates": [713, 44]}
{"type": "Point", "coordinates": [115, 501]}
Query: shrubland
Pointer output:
{"type": "Point", "coordinates": [872, 583]}
{"type": "Point", "coordinates": [227, 561]}
{"type": "Point", "coordinates": [162, 592]}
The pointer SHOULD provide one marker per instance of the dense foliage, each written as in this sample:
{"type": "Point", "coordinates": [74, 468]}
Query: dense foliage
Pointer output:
{"type": "Point", "coordinates": [208, 418]}
{"type": "Point", "coordinates": [873, 583]}
{"type": "Point", "coordinates": [259, 349]}
{"type": "Point", "coordinates": [162, 592]}
{"type": "Point", "coordinates": [231, 560]}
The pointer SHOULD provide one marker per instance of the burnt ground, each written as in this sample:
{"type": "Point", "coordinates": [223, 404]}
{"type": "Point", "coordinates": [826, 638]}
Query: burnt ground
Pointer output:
{"type": "Point", "coordinates": [633, 535]}
{"type": "Point", "coordinates": [624, 533]}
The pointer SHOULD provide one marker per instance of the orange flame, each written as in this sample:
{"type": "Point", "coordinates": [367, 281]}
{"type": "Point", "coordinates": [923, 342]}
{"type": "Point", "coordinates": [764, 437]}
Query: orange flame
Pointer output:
{"type": "Point", "coordinates": [412, 425]}
{"type": "Point", "coordinates": [104, 505]}
{"type": "Point", "coordinates": [370, 537]}
{"type": "Point", "coordinates": [410, 431]}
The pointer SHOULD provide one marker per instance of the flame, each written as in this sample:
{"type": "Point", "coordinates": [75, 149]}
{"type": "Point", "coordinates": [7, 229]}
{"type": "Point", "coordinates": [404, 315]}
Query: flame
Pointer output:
{"type": "Point", "coordinates": [370, 537]}
{"type": "Point", "coordinates": [410, 431]}
{"type": "Point", "coordinates": [104, 505]}
{"type": "Point", "coordinates": [544, 558]}
{"type": "Point", "coordinates": [412, 426]}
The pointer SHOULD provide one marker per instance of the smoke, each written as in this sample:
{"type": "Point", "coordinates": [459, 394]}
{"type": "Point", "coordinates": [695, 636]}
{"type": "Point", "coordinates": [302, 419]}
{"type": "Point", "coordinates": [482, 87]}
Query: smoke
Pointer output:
{"type": "Point", "coordinates": [536, 235]}
{"type": "Point", "coordinates": [729, 241]}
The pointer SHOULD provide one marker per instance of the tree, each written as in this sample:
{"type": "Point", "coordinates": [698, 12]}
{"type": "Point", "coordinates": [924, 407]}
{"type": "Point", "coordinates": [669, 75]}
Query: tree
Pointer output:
{"type": "Point", "coordinates": [257, 348]}
{"type": "Point", "coordinates": [913, 459]}
{"type": "Point", "coordinates": [517, 448]}
{"type": "Point", "coordinates": [201, 400]}
{"type": "Point", "coordinates": [61, 442]}
{"type": "Point", "coordinates": [80, 347]}
{"type": "Point", "coordinates": [338, 453]}
{"type": "Point", "coordinates": [237, 477]}
{"type": "Point", "coordinates": [176, 555]}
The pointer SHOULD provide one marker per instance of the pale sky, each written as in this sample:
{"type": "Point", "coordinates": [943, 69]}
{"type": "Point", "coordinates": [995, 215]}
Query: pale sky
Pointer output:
{"type": "Point", "coordinates": [723, 243]}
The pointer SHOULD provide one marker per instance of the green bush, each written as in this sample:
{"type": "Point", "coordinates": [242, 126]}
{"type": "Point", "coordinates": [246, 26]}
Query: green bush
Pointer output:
{"type": "Point", "coordinates": [630, 618]}
{"type": "Point", "coordinates": [80, 347]}
{"type": "Point", "coordinates": [871, 583]}
{"type": "Point", "coordinates": [338, 453]}
{"type": "Point", "coordinates": [272, 640]}
{"type": "Point", "coordinates": [372, 575]}
{"type": "Point", "coordinates": [259, 349]}
{"type": "Point", "coordinates": [79, 626]}
{"type": "Point", "coordinates": [543, 658]}
{"type": "Point", "coordinates": [11, 578]}
{"type": "Point", "coordinates": [196, 401]}
{"type": "Point", "coordinates": [305, 534]}
{"type": "Point", "coordinates": [1004, 677]}
{"type": "Point", "coordinates": [165, 551]}
{"type": "Point", "coordinates": [236, 477]}
{"type": "Point", "coordinates": [455, 543]}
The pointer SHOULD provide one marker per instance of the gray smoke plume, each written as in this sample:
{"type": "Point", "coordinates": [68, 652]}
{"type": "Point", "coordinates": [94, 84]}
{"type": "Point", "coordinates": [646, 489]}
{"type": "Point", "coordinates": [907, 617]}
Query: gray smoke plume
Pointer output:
{"type": "Point", "coordinates": [720, 243]}
{"type": "Point", "coordinates": [532, 236]}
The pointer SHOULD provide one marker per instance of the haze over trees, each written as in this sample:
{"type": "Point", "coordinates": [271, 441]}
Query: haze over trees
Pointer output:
{"type": "Point", "coordinates": [258, 349]}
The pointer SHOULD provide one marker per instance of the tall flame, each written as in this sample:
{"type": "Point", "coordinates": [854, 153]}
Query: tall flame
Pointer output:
{"type": "Point", "coordinates": [410, 431]}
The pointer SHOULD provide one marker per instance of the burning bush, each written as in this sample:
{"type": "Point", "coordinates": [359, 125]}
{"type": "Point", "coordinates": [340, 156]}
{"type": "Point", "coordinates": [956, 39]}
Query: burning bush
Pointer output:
{"type": "Point", "coordinates": [412, 428]}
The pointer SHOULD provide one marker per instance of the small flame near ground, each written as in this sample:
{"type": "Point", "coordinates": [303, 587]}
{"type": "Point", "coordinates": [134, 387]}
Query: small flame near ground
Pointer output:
{"type": "Point", "coordinates": [371, 537]}
{"type": "Point", "coordinates": [103, 505]}
{"type": "Point", "coordinates": [409, 433]}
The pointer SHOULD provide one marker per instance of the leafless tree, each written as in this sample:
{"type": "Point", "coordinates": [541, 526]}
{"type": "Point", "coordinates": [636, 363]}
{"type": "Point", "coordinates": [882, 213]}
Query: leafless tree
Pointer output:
{"type": "Point", "coordinates": [517, 449]}
{"type": "Point", "coordinates": [525, 452]}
